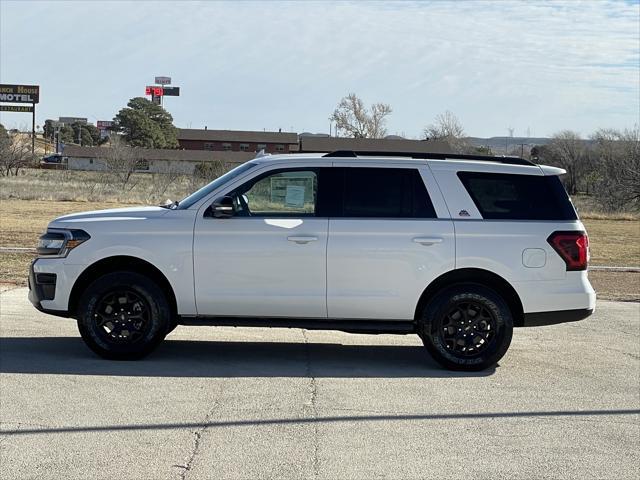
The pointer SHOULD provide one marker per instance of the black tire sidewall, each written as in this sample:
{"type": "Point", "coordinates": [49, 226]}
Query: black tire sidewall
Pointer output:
{"type": "Point", "coordinates": [432, 316]}
{"type": "Point", "coordinates": [144, 287]}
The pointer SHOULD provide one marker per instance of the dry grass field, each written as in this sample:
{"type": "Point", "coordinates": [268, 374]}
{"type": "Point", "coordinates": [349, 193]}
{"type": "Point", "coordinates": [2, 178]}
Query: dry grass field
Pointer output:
{"type": "Point", "coordinates": [30, 201]}
{"type": "Point", "coordinates": [22, 221]}
{"type": "Point", "coordinates": [614, 242]}
{"type": "Point", "coordinates": [77, 186]}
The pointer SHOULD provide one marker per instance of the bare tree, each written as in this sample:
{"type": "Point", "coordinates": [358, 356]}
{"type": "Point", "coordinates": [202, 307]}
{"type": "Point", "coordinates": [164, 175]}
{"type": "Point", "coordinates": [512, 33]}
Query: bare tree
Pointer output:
{"type": "Point", "coordinates": [121, 162]}
{"type": "Point", "coordinates": [354, 120]}
{"type": "Point", "coordinates": [15, 154]}
{"type": "Point", "coordinates": [567, 150]}
{"type": "Point", "coordinates": [448, 128]}
{"type": "Point", "coordinates": [618, 168]}
{"type": "Point", "coordinates": [205, 172]}
{"type": "Point", "coordinates": [162, 179]}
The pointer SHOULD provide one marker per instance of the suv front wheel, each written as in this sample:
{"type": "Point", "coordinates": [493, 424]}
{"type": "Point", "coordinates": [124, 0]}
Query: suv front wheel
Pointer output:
{"type": "Point", "coordinates": [123, 316]}
{"type": "Point", "coordinates": [466, 327]}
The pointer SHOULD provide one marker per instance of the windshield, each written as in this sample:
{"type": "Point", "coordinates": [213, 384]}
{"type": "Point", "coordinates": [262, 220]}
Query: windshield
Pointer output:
{"type": "Point", "coordinates": [210, 187]}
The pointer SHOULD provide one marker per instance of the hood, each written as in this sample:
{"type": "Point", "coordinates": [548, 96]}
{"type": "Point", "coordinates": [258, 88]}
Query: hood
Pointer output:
{"type": "Point", "coordinates": [110, 215]}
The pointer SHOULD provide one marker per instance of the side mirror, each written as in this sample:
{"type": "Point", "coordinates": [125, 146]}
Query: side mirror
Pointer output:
{"type": "Point", "coordinates": [221, 208]}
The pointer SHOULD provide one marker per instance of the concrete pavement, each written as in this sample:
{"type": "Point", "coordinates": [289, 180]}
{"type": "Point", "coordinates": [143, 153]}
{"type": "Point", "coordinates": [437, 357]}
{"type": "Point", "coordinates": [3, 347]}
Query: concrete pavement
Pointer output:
{"type": "Point", "coordinates": [259, 403]}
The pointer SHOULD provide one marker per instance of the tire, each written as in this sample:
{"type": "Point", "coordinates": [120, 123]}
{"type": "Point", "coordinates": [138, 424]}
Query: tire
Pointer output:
{"type": "Point", "coordinates": [173, 324]}
{"type": "Point", "coordinates": [123, 316]}
{"type": "Point", "coordinates": [466, 327]}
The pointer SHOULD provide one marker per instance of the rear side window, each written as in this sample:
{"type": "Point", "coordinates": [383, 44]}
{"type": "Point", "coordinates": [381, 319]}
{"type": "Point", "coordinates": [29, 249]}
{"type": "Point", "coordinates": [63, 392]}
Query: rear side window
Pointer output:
{"type": "Point", "coordinates": [380, 193]}
{"type": "Point", "coordinates": [518, 197]}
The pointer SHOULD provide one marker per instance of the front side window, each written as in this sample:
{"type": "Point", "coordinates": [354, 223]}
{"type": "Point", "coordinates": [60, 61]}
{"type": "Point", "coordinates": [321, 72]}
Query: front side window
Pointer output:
{"type": "Point", "coordinates": [282, 194]}
{"type": "Point", "coordinates": [217, 183]}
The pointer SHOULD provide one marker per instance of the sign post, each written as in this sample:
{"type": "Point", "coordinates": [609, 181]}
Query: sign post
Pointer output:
{"type": "Point", "coordinates": [104, 126]}
{"type": "Point", "coordinates": [33, 130]}
{"type": "Point", "coordinates": [171, 91]}
{"type": "Point", "coordinates": [156, 94]}
{"type": "Point", "coordinates": [160, 90]}
{"type": "Point", "coordinates": [21, 94]}
{"type": "Point", "coordinates": [163, 80]}
{"type": "Point", "coordinates": [16, 108]}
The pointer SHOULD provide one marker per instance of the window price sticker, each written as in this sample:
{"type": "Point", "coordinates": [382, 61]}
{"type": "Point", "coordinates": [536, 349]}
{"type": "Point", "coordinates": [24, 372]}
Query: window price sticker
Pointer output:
{"type": "Point", "coordinates": [294, 197]}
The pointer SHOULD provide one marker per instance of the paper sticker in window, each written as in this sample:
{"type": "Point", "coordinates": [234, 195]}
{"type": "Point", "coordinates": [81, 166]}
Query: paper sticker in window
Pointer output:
{"type": "Point", "coordinates": [294, 197]}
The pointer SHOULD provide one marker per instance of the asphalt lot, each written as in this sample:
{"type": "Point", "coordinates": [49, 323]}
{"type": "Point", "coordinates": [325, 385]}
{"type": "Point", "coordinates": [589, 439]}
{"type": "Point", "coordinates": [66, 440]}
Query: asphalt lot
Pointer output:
{"type": "Point", "coordinates": [258, 403]}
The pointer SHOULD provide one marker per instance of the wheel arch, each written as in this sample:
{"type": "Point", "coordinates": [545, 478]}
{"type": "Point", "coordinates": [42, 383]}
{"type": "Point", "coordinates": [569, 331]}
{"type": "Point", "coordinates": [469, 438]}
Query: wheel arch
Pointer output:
{"type": "Point", "coordinates": [116, 264]}
{"type": "Point", "coordinates": [474, 275]}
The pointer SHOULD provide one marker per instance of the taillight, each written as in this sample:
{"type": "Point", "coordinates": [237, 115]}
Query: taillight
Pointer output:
{"type": "Point", "coordinates": [573, 247]}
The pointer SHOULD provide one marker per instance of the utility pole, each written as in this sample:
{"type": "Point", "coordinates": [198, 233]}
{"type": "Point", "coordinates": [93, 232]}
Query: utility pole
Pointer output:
{"type": "Point", "coordinates": [57, 137]}
{"type": "Point", "coordinates": [506, 141]}
{"type": "Point", "coordinates": [522, 148]}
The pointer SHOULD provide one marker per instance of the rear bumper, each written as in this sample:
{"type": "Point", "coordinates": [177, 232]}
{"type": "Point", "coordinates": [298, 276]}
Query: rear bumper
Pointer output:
{"type": "Point", "coordinates": [572, 293]}
{"type": "Point", "coordinates": [539, 319]}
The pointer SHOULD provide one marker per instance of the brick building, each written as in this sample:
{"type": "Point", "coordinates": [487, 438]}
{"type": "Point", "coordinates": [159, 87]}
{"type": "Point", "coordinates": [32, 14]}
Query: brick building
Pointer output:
{"type": "Point", "coordinates": [319, 144]}
{"type": "Point", "coordinates": [237, 140]}
{"type": "Point", "coordinates": [151, 160]}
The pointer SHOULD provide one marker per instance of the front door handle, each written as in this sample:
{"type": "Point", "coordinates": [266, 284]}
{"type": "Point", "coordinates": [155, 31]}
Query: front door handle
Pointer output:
{"type": "Point", "coordinates": [427, 240]}
{"type": "Point", "coordinates": [302, 239]}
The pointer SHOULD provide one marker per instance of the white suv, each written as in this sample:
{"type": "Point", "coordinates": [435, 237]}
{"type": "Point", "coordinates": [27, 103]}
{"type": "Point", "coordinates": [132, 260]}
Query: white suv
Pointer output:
{"type": "Point", "coordinates": [458, 249]}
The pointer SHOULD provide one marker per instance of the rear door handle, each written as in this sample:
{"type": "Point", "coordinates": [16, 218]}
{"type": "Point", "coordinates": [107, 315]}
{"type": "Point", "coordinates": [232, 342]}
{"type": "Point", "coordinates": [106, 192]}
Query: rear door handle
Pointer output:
{"type": "Point", "coordinates": [427, 240]}
{"type": "Point", "coordinates": [302, 239]}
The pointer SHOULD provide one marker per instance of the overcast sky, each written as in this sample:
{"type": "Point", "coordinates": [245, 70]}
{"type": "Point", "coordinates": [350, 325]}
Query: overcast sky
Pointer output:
{"type": "Point", "coordinates": [542, 66]}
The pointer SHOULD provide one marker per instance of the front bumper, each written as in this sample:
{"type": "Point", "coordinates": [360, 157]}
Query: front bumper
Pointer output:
{"type": "Point", "coordinates": [46, 290]}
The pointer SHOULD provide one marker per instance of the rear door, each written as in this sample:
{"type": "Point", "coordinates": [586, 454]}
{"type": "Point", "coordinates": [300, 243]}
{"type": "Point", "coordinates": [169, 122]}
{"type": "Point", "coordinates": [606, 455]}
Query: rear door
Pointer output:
{"type": "Point", "coordinates": [389, 237]}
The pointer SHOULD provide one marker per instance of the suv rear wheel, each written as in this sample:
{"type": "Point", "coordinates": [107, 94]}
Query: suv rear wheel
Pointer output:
{"type": "Point", "coordinates": [123, 316]}
{"type": "Point", "coordinates": [466, 327]}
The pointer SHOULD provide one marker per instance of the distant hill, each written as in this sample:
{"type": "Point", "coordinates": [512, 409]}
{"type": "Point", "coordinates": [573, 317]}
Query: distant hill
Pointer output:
{"type": "Point", "coordinates": [499, 144]}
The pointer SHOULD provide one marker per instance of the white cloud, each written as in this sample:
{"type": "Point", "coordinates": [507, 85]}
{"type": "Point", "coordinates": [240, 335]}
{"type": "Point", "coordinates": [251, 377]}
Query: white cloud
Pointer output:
{"type": "Point", "coordinates": [544, 65]}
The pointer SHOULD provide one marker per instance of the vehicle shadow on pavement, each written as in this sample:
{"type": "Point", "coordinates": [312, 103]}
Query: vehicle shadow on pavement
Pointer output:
{"type": "Point", "coordinates": [187, 358]}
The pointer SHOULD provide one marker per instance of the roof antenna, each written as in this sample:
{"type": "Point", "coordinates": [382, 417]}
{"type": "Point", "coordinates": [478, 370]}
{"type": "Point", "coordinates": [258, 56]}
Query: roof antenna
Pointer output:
{"type": "Point", "coordinates": [261, 154]}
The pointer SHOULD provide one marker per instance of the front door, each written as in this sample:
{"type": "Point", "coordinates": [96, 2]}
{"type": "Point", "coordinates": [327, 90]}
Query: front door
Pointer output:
{"type": "Point", "coordinates": [269, 258]}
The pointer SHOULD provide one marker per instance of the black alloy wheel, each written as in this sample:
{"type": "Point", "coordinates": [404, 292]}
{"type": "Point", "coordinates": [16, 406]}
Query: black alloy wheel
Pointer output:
{"type": "Point", "coordinates": [466, 326]}
{"type": "Point", "coordinates": [124, 315]}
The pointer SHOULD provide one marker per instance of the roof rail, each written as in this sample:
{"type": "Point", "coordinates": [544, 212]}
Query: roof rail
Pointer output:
{"type": "Point", "coordinates": [431, 156]}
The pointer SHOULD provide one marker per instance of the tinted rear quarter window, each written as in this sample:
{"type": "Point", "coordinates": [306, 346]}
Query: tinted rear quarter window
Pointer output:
{"type": "Point", "coordinates": [384, 193]}
{"type": "Point", "coordinates": [502, 196]}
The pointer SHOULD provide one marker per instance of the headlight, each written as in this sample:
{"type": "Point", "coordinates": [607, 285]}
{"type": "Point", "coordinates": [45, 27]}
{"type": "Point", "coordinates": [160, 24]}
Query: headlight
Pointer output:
{"type": "Point", "coordinates": [60, 242]}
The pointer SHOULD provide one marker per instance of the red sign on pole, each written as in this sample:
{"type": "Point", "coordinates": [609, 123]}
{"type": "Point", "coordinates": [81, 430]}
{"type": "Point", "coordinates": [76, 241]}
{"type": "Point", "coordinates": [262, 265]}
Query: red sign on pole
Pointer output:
{"type": "Point", "coordinates": [154, 91]}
